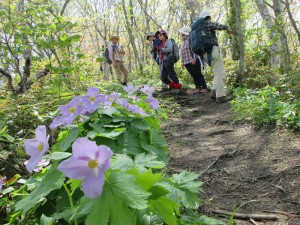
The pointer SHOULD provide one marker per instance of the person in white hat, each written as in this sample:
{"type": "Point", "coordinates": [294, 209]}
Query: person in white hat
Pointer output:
{"type": "Point", "coordinates": [192, 62]}
{"type": "Point", "coordinates": [217, 62]}
{"type": "Point", "coordinates": [116, 55]}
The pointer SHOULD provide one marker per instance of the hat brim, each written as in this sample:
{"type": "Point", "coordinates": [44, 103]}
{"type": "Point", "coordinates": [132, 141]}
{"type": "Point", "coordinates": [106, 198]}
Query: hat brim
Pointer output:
{"type": "Point", "coordinates": [114, 38]}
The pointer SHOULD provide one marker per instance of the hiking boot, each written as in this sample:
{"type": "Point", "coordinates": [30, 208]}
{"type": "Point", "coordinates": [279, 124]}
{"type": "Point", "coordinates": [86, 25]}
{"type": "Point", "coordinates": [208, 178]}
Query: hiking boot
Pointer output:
{"type": "Point", "coordinates": [221, 99]}
{"type": "Point", "coordinates": [171, 84]}
{"type": "Point", "coordinates": [124, 83]}
{"type": "Point", "coordinates": [178, 86]}
{"type": "Point", "coordinates": [203, 90]}
{"type": "Point", "coordinates": [213, 94]}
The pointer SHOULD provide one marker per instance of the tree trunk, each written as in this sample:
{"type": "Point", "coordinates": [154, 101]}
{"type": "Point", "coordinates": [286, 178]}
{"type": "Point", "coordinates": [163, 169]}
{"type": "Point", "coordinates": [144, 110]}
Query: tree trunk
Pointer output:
{"type": "Point", "coordinates": [293, 22]}
{"type": "Point", "coordinates": [275, 44]}
{"type": "Point", "coordinates": [130, 33]}
{"type": "Point", "coordinates": [278, 8]}
{"type": "Point", "coordinates": [240, 37]}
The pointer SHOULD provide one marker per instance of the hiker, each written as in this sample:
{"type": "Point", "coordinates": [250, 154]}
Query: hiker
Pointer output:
{"type": "Point", "coordinates": [192, 62]}
{"type": "Point", "coordinates": [154, 43]}
{"type": "Point", "coordinates": [116, 55]}
{"type": "Point", "coordinates": [214, 57]}
{"type": "Point", "coordinates": [167, 61]}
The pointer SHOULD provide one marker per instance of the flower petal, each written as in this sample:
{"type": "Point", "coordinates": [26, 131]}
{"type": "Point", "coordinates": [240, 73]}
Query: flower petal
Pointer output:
{"type": "Point", "coordinates": [93, 185]}
{"type": "Point", "coordinates": [32, 162]}
{"type": "Point", "coordinates": [75, 168]}
{"type": "Point", "coordinates": [41, 133]}
{"type": "Point", "coordinates": [31, 147]}
{"type": "Point", "coordinates": [84, 147]}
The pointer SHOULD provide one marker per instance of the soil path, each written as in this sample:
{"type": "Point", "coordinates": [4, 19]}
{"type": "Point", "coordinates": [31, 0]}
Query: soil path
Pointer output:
{"type": "Point", "coordinates": [257, 170]}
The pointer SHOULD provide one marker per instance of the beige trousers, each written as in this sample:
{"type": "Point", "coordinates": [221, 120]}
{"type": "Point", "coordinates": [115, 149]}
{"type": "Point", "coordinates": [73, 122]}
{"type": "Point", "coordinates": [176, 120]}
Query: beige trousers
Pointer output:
{"type": "Point", "coordinates": [218, 70]}
{"type": "Point", "coordinates": [120, 70]}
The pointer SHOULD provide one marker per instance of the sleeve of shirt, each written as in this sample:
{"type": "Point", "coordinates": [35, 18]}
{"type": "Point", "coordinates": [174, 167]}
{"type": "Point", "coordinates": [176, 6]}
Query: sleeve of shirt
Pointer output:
{"type": "Point", "coordinates": [216, 26]}
{"type": "Point", "coordinates": [110, 51]}
{"type": "Point", "coordinates": [168, 47]}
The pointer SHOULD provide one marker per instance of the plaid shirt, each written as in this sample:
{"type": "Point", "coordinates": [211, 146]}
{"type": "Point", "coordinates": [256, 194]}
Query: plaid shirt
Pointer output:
{"type": "Point", "coordinates": [211, 28]}
{"type": "Point", "coordinates": [186, 55]}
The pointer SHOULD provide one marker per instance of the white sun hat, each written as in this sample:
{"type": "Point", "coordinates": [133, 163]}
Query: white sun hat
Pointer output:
{"type": "Point", "coordinates": [185, 30]}
{"type": "Point", "coordinates": [204, 14]}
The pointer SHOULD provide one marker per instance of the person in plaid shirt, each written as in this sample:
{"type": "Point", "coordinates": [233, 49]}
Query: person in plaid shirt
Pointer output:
{"type": "Point", "coordinates": [217, 62]}
{"type": "Point", "coordinates": [192, 62]}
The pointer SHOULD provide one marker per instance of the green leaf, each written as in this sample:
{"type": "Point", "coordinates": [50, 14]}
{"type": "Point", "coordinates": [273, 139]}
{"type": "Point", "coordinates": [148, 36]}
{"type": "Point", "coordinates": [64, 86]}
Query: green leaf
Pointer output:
{"type": "Point", "coordinates": [53, 26]}
{"type": "Point", "coordinates": [58, 155]}
{"type": "Point", "coordinates": [140, 124]}
{"type": "Point", "coordinates": [66, 138]}
{"type": "Point", "coordinates": [63, 37]}
{"type": "Point", "coordinates": [100, 59]}
{"type": "Point", "coordinates": [132, 143]}
{"type": "Point", "coordinates": [110, 209]}
{"type": "Point", "coordinates": [100, 131]}
{"type": "Point", "coordinates": [75, 38]}
{"type": "Point", "coordinates": [148, 161]}
{"type": "Point", "coordinates": [147, 179]}
{"type": "Point", "coordinates": [126, 188]}
{"type": "Point", "coordinates": [46, 220]}
{"type": "Point", "coordinates": [165, 208]}
{"type": "Point", "coordinates": [54, 179]}
{"type": "Point", "coordinates": [210, 221]}
{"type": "Point", "coordinates": [183, 188]}
{"type": "Point", "coordinates": [142, 162]}
{"type": "Point", "coordinates": [122, 162]}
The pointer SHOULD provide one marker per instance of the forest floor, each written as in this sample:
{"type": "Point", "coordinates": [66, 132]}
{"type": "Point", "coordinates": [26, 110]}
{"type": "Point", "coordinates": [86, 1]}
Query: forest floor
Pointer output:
{"type": "Point", "coordinates": [256, 170]}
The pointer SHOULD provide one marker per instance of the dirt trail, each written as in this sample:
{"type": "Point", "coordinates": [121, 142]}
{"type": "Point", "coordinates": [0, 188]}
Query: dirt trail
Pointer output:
{"type": "Point", "coordinates": [257, 170]}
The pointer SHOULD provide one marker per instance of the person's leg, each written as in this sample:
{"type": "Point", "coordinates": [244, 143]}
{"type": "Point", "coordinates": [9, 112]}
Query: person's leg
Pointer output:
{"type": "Point", "coordinates": [200, 76]}
{"type": "Point", "coordinates": [192, 71]}
{"type": "Point", "coordinates": [124, 71]}
{"type": "Point", "coordinates": [118, 71]}
{"type": "Point", "coordinates": [218, 70]}
{"type": "Point", "coordinates": [169, 65]}
{"type": "Point", "coordinates": [163, 85]}
{"type": "Point", "coordinates": [164, 74]}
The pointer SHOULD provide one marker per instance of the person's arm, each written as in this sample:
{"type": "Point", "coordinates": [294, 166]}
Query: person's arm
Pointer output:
{"type": "Point", "coordinates": [218, 26]}
{"type": "Point", "coordinates": [168, 47]}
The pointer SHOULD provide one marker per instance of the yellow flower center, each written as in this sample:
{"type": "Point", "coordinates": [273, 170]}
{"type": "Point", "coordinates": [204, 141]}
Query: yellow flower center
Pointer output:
{"type": "Point", "coordinates": [147, 91]}
{"type": "Point", "coordinates": [72, 110]}
{"type": "Point", "coordinates": [40, 147]}
{"type": "Point", "coordinates": [92, 164]}
{"type": "Point", "coordinates": [92, 98]}
{"type": "Point", "coordinates": [110, 99]}
{"type": "Point", "coordinates": [130, 89]}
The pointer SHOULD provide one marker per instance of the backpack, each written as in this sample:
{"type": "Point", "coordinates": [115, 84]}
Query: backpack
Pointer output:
{"type": "Point", "coordinates": [106, 54]}
{"type": "Point", "coordinates": [200, 43]}
{"type": "Point", "coordinates": [175, 51]}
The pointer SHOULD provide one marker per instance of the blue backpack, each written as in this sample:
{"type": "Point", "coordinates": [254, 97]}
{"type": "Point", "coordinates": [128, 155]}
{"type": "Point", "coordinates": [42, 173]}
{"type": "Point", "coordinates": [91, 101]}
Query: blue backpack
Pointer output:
{"type": "Point", "coordinates": [200, 43]}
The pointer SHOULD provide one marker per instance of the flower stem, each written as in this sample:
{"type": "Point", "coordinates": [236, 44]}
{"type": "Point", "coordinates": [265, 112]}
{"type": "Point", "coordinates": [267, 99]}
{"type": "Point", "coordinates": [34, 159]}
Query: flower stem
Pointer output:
{"type": "Point", "coordinates": [70, 200]}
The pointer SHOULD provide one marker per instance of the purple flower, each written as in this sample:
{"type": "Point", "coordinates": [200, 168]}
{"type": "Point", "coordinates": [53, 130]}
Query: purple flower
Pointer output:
{"type": "Point", "coordinates": [42, 163]}
{"type": "Point", "coordinates": [36, 147]}
{"type": "Point", "coordinates": [124, 103]}
{"type": "Point", "coordinates": [1, 182]}
{"type": "Point", "coordinates": [93, 99]}
{"type": "Point", "coordinates": [136, 109]}
{"type": "Point", "coordinates": [71, 110]}
{"type": "Point", "coordinates": [130, 89]}
{"type": "Point", "coordinates": [147, 90]}
{"type": "Point", "coordinates": [153, 102]}
{"type": "Point", "coordinates": [88, 163]}
{"type": "Point", "coordinates": [111, 98]}
{"type": "Point", "coordinates": [55, 123]}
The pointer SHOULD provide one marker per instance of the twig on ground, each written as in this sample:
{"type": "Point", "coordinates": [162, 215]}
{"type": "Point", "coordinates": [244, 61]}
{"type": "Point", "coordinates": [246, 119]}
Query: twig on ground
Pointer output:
{"type": "Point", "coordinates": [230, 154]}
{"type": "Point", "coordinates": [243, 216]}
{"type": "Point", "coordinates": [291, 214]}
{"type": "Point", "coordinates": [252, 220]}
